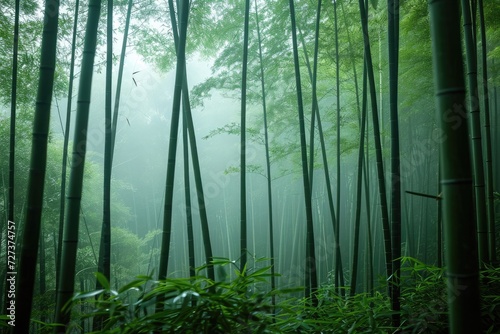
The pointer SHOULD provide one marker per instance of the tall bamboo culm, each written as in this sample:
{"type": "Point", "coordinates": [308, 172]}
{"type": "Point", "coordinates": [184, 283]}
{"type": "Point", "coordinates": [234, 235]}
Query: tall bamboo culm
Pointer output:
{"type": "Point", "coordinates": [12, 143]}
{"type": "Point", "coordinates": [66, 141]}
{"type": "Point", "coordinates": [268, 160]}
{"type": "Point", "coordinates": [378, 145]}
{"type": "Point", "coordinates": [311, 273]}
{"type": "Point", "coordinates": [207, 244]}
{"type": "Point", "coordinates": [243, 192]}
{"type": "Point", "coordinates": [393, 43]}
{"type": "Point", "coordinates": [474, 122]}
{"type": "Point", "coordinates": [74, 193]}
{"type": "Point", "coordinates": [33, 220]}
{"type": "Point", "coordinates": [487, 134]}
{"type": "Point", "coordinates": [183, 13]}
{"type": "Point", "coordinates": [456, 175]}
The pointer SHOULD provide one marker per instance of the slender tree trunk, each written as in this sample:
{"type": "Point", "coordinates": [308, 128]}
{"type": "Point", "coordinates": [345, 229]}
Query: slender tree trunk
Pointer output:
{"type": "Point", "coordinates": [338, 268]}
{"type": "Point", "coordinates": [187, 192]}
{"type": "Point", "coordinates": [104, 262]}
{"type": "Point", "coordinates": [13, 106]}
{"type": "Point", "coordinates": [487, 128]}
{"type": "Point", "coordinates": [243, 198]}
{"type": "Point", "coordinates": [378, 145]}
{"type": "Point", "coordinates": [65, 144]}
{"type": "Point", "coordinates": [12, 143]}
{"type": "Point", "coordinates": [314, 103]}
{"type": "Point", "coordinates": [207, 244]}
{"type": "Point", "coordinates": [312, 77]}
{"type": "Point", "coordinates": [104, 265]}
{"type": "Point", "coordinates": [314, 108]}
{"type": "Point", "coordinates": [370, 276]}
{"type": "Point", "coordinates": [439, 224]}
{"type": "Point", "coordinates": [339, 276]}
{"type": "Point", "coordinates": [42, 273]}
{"type": "Point", "coordinates": [353, 61]}
{"type": "Point", "coordinates": [120, 78]}
{"type": "Point", "coordinates": [366, 164]}
{"type": "Point", "coordinates": [475, 133]}
{"type": "Point", "coordinates": [185, 143]}
{"type": "Point", "coordinates": [268, 161]}
{"type": "Point", "coordinates": [183, 11]}
{"type": "Point", "coordinates": [496, 135]}
{"type": "Point", "coordinates": [393, 37]}
{"type": "Point", "coordinates": [312, 281]}
{"type": "Point", "coordinates": [73, 199]}
{"type": "Point", "coordinates": [357, 218]}
{"type": "Point", "coordinates": [316, 114]}
{"type": "Point", "coordinates": [338, 258]}
{"type": "Point", "coordinates": [32, 224]}
{"type": "Point", "coordinates": [458, 209]}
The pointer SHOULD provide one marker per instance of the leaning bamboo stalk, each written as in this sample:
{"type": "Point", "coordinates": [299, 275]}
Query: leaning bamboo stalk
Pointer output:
{"type": "Point", "coordinates": [172, 148]}
{"type": "Point", "coordinates": [311, 274]}
{"type": "Point", "coordinates": [377, 142]}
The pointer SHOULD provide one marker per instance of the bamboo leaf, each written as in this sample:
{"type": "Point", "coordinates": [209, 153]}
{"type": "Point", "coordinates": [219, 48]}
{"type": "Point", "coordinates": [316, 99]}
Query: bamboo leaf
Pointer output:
{"type": "Point", "coordinates": [89, 294]}
{"type": "Point", "coordinates": [102, 280]}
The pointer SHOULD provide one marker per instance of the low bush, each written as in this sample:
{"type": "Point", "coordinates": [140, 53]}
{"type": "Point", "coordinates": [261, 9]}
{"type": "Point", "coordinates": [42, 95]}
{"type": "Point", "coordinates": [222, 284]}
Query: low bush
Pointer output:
{"type": "Point", "coordinates": [243, 305]}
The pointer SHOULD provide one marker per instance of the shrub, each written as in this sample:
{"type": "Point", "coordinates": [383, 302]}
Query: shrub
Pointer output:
{"type": "Point", "coordinates": [243, 305]}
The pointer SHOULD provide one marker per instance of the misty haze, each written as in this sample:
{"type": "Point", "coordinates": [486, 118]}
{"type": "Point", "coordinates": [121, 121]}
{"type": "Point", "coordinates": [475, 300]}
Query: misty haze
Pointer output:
{"type": "Point", "coordinates": [249, 166]}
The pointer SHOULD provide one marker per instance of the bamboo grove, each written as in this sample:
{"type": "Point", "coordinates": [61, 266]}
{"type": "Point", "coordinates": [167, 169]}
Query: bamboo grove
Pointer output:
{"type": "Point", "coordinates": [290, 145]}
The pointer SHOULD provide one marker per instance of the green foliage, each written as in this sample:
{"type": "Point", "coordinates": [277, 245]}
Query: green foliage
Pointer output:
{"type": "Point", "coordinates": [200, 305]}
{"type": "Point", "coordinates": [191, 305]}
{"type": "Point", "coordinates": [423, 297]}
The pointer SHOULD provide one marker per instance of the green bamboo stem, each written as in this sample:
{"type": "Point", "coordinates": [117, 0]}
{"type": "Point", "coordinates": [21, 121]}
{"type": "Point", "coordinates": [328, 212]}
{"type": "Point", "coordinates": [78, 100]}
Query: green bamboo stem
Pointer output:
{"type": "Point", "coordinates": [243, 194]}
{"type": "Point", "coordinates": [104, 261]}
{"type": "Point", "coordinates": [456, 175]}
{"type": "Point", "coordinates": [194, 157]}
{"type": "Point", "coordinates": [359, 181]}
{"type": "Point", "coordinates": [364, 102]}
{"type": "Point", "coordinates": [475, 135]}
{"type": "Point", "coordinates": [378, 145]}
{"type": "Point", "coordinates": [120, 78]}
{"type": "Point", "coordinates": [487, 128]}
{"type": "Point", "coordinates": [312, 281]}
{"type": "Point", "coordinates": [207, 244]}
{"type": "Point", "coordinates": [66, 142]}
{"type": "Point", "coordinates": [104, 264]}
{"type": "Point", "coordinates": [74, 194]}
{"type": "Point", "coordinates": [268, 161]}
{"type": "Point", "coordinates": [183, 11]}
{"type": "Point", "coordinates": [187, 192]}
{"type": "Point", "coordinates": [393, 43]}
{"type": "Point", "coordinates": [12, 139]}
{"type": "Point", "coordinates": [13, 107]}
{"type": "Point", "coordinates": [30, 232]}
{"type": "Point", "coordinates": [312, 77]}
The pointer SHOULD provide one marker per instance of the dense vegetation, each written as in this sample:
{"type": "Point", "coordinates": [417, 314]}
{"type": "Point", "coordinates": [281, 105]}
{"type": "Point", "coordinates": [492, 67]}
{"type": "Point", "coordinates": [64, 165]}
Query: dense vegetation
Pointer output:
{"type": "Point", "coordinates": [256, 166]}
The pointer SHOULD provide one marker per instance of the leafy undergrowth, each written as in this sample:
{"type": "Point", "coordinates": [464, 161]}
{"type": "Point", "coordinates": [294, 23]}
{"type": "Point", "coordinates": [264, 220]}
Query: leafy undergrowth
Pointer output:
{"type": "Point", "coordinates": [243, 305]}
